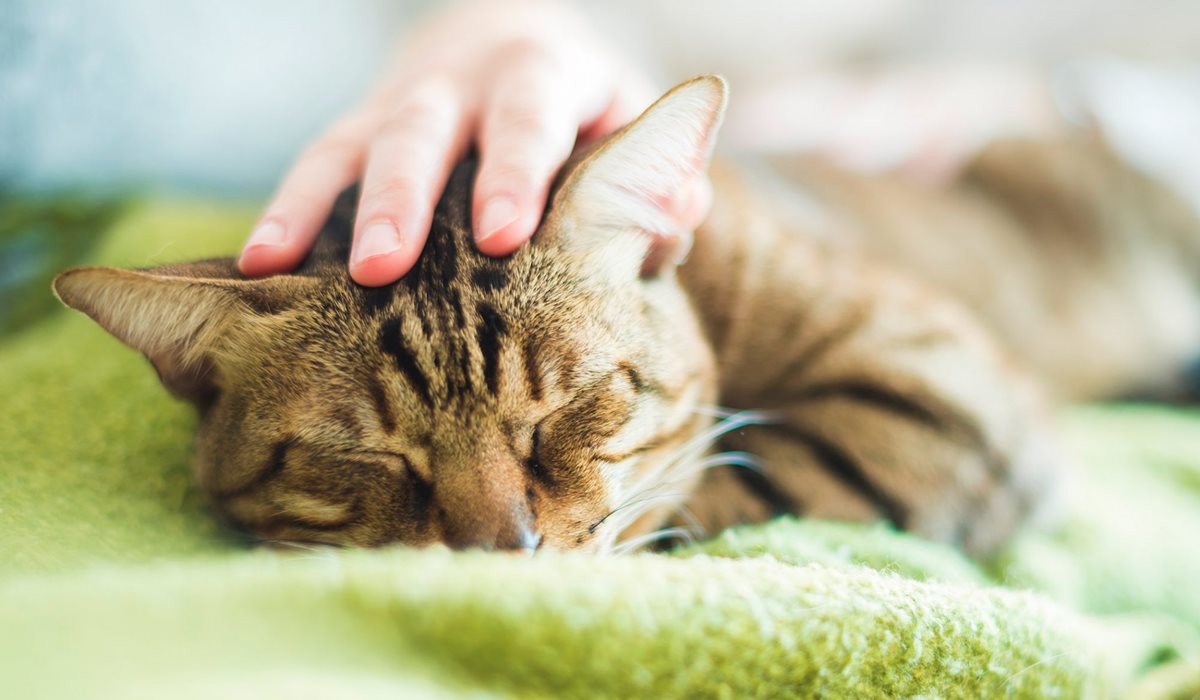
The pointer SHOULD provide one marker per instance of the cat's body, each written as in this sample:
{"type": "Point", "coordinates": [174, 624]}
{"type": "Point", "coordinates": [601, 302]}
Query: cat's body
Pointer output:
{"type": "Point", "coordinates": [831, 295]}
{"type": "Point", "coordinates": [567, 397]}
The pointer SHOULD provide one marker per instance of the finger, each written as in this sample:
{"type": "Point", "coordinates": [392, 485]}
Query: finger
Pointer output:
{"type": "Point", "coordinates": [293, 219]}
{"type": "Point", "coordinates": [528, 126]}
{"type": "Point", "coordinates": [408, 163]}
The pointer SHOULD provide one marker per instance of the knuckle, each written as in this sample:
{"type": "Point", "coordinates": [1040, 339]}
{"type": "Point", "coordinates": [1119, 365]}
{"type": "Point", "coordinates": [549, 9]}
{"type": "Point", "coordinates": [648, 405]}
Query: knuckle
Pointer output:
{"type": "Point", "coordinates": [524, 122]}
{"type": "Point", "coordinates": [317, 177]}
{"type": "Point", "coordinates": [508, 177]}
{"type": "Point", "coordinates": [333, 147]}
{"type": "Point", "coordinates": [350, 127]}
{"type": "Point", "coordinates": [396, 191]}
{"type": "Point", "coordinates": [404, 156]}
{"type": "Point", "coordinates": [424, 113]}
{"type": "Point", "coordinates": [407, 118]}
{"type": "Point", "coordinates": [303, 194]}
{"type": "Point", "coordinates": [527, 52]}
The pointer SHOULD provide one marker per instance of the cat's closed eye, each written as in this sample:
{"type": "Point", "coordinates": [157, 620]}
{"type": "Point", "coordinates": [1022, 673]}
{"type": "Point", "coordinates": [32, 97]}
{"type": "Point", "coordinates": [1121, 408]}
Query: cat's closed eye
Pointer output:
{"type": "Point", "coordinates": [533, 462]}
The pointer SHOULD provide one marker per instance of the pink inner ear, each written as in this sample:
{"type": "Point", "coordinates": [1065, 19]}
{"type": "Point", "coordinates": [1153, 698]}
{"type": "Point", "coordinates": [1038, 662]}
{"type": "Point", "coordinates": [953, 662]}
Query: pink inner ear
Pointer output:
{"type": "Point", "coordinates": [665, 201]}
{"type": "Point", "coordinates": [696, 164]}
{"type": "Point", "coordinates": [649, 176]}
{"type": "Point", "coordinates": [666, 251]}
{"type": "Point", "coordinates": [681, 203]}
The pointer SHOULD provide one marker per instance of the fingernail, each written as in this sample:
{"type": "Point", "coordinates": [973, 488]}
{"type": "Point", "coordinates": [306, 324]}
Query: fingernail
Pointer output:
{"type": "Point", "coordinates": [499, 212]}
{"type": "Point", "coordinates": [377, 239]}
{"type": "Point", "coordinates": [268, 233]}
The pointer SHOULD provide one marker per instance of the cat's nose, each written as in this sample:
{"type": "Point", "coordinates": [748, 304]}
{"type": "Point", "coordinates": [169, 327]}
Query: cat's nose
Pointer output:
{"type": "Point", "coordinates": [486, 502]}
{"type": "Point", "coordinates": [511, 529]}
{"type": "Point", "coordinates": [520, 540]}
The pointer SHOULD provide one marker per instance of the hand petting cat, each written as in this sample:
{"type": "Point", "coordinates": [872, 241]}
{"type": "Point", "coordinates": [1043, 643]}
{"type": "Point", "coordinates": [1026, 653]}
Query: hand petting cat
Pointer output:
{"type": "Point", "coordinates": [519, 81]}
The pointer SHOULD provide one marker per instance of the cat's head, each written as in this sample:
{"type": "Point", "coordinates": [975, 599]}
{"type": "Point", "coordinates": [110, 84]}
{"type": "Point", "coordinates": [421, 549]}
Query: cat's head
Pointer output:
{"type": "Point", "coordinates": [549, 398]}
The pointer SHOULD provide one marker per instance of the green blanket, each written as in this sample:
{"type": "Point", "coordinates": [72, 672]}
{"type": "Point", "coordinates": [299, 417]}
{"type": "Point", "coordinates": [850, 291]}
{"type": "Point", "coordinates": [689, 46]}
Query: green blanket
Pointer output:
{"type": "Point", "coordinates": [114, 582]}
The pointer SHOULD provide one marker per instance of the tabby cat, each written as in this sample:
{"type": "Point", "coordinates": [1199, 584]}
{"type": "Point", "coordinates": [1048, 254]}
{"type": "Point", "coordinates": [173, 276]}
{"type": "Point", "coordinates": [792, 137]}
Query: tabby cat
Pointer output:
{"type": "Point", "coordinates": [834, 346]}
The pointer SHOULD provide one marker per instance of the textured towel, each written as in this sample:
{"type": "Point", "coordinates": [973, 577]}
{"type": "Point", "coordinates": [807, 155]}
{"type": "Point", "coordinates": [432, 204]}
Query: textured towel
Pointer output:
{"type": "Point", "coordinates": [114, 582]}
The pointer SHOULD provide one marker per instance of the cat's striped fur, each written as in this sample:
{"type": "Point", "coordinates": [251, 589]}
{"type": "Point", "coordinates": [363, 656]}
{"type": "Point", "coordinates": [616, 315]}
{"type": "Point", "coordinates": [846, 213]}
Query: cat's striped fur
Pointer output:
{"type": "Point", "coordinates": [567, 397]}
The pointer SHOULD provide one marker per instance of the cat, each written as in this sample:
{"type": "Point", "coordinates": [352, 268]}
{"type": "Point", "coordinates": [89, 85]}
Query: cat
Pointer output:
{"type": "Point", "coordinates": [832, 346]}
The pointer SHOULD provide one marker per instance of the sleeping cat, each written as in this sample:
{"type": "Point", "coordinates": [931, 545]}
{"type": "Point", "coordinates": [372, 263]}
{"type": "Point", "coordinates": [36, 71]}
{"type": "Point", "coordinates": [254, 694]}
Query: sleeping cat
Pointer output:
{"type": "Point", "coordinates": [809, 357]}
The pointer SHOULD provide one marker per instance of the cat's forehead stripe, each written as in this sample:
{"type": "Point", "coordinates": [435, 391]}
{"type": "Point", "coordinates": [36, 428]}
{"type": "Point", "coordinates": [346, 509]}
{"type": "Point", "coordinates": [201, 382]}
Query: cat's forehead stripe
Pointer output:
{"type": "Point", "coordinates": [455, 299]}
{"type": "Point", "coordinates": [377, 299]}
{"type": "Point", "coordinates": [379, 399]}
{"type": "Point", "coordinates": [490, 277]}
{"type": "Point", "coordinates": [533, 372]}
{"type": "Point", "coordinates": [491, 331]}
{"type": "Point", "coordinates": [392, 342]}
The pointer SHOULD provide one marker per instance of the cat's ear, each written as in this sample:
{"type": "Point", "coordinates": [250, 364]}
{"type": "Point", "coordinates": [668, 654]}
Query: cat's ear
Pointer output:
{"type": "Point", "coordinates": [179, 316]}
{"type": "Point", "coordinates": [640, 175]}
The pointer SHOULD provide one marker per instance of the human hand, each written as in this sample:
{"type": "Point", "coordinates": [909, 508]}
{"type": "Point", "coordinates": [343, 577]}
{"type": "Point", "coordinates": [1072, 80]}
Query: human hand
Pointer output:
{"type": "Point", "coordinates": [520, 80]}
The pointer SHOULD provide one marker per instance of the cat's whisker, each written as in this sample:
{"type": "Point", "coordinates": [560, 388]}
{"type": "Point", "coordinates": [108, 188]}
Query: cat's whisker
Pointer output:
{"type": "Point", "coordinates": [714, 410]}
{"type": "Point", "coordinates": [693, 523]}
{"type": "Point", "coordinates": [670, 483]}
{"type": "Point", "coordinates": [635, 500]}
{"type": "Point", "coordinates": [324, 550]}
{"type": "Point", "coordinates": [625, 515]}
{"type": "Point", "coordinates": [686, 462]}
{"type": "Point", "coordinates": [702, 441]}
{"type": "Point", "coordinates": [727, 425]}
{"type": "Point", "coordinates": [731, 459]}
{"type": "Point", "coordinates": [692, 449]}
{"type": "Point", "coordinates": [636, 543]}
{"type": "Point", "coordinates": [720, 459]}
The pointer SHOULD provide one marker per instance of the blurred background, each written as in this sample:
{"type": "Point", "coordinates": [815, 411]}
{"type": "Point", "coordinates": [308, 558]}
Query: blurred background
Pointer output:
{"type": "Point", "coordinates": [215, 99]}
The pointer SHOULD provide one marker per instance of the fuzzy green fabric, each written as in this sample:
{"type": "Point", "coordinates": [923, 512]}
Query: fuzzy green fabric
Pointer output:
{"type": "Point", "coordinates": [114, 582]}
